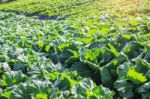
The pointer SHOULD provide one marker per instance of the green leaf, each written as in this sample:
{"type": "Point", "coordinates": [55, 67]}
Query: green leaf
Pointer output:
{"type": "Point", "coordinates": [30, 89]}
{"type": "Point", "coordinates": [122, 70]}
{"type": "Point", "coordinates": [64, 82]}
{"type": "Point", "coordinates": [6, 95]}
{"type": "Point", "coordinates": [144, 88]}
{"type": "Point", "coordinates": [81, 68]}
{"type": "Point", "coordinates": [125, 89]}
{"type": "Point", "coordinates": [105, 31]}
{"type": "Point", "coordinates": [12, 77]}
{"type": "Point", "coordinates": [40, 44]}
{"type": "Point", "coordinates": [41, 96]}
{"type": "Point", "coordinates": [113, 50]}
{"type": "Point", "coordinates": [47, 48]}
{"type": "Point", "coordinates": [4, 67]}
{"type": "Point", "coordinates": [133, 22]}
{"type": "Point", "coordinates": [136, 77]}
{"type": "Point", "coordinates": [141, 65]}
{"type": "Point", "coordinates": [106, 77]}
{"type": "Point", "coordinates": [92, 55]}
{"type": "Point", "coordinates": [102, 92]}
{"type": "Point", "coordinates": [92, 31]}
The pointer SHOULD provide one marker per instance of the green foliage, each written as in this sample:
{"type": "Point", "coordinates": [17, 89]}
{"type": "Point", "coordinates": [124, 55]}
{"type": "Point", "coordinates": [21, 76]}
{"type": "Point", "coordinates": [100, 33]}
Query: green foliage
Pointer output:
{"type": "Point", "coordinates": [4, 1]}
{"type": "Point", "coordinates": [138, 77]}
{"type": "Point", "coordinates": [125, 89]}
{"type": "Point", "coordinates": [97, 47]}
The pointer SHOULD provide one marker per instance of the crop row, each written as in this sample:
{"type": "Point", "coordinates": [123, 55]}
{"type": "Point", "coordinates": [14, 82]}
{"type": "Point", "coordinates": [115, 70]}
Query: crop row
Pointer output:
{"type": "Point", "coordinates": [75, 8]}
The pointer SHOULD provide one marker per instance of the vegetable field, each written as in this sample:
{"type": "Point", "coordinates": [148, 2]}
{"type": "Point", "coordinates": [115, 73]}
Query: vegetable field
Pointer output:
{"type": "Point", "coordinates": [81, 49]}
